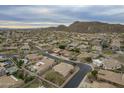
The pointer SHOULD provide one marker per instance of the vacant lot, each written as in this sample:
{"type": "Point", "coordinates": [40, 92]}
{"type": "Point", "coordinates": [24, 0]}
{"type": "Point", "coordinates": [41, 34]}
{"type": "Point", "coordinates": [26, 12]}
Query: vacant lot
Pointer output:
{"type": "Point", "coordinates": [54, 77]}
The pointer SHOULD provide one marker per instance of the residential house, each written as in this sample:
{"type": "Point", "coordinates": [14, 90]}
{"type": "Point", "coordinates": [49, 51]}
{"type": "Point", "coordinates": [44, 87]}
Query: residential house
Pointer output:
{"type": "Point", "coordinates": [83, 47]}
{"type": "Point", "coordinates": [43, 65]}
{"type": "Point", "coordinates": [65, 53]}
{"type": "Point", "coordinates": [45, 46]}
{"type": "Point", "coordinates": [97, 48]}
{"type": "Point", "coordinates": [111, 77]}
{"type": "Point", "coordinates": [56, 50]}
{"type": "Point", "coordinates": [96, 84]}
{"type": "Point", "coordinates": [63, 69]}
{"type": "Point", "coordinates": [11, 70]}
{"type": "Point", "coordinates": [10, 82]}
{"type": "Point", "coordinates": [2, 71]}
{"type": "Point", "coordinates": [2, 64]}
{"type": "Point", "coordinates": [25, 48]}
{"type": "Point", "coordinates": [82, 56]}
{"type": "Point", "coordinates": [1, 57]}
{"type": "Point", "coordinates": [96, 41]}
{"type": "Point", "coordinates": [10, 48]}
{"type": "Point", "coordinates": [115, 44]}
{"type": "Point", "coordinates": [97, 62]}
{"type": "Point", "coordinates": [111, 64]}
{"type": "Point", "coordinates": [72, 45]}
{"type": "Point", "coordinates": [34, 57]}
{"type": "Point", "coordinates": [25, 61]}
{"type": "Point", "coordinates": [8, 64]}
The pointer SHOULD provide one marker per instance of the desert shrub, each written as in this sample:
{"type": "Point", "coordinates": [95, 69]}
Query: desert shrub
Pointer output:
{"type": "Point", "coordinates": [54, 77]}
{"type": "Point", "coordinates": [88, 59]}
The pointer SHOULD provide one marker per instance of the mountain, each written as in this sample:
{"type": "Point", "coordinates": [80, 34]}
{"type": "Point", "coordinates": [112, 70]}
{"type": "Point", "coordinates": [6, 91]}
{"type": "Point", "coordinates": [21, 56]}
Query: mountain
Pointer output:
{"type": "Point", "coordinates": [95, 27]}
{"type": "Point", "coordinates": [62, 27]}
{"type": "Point", "coordinates": [89, 27]}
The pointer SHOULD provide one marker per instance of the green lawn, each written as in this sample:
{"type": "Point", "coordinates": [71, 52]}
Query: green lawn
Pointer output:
{"type": "Point", "coordinates": [108, 52]}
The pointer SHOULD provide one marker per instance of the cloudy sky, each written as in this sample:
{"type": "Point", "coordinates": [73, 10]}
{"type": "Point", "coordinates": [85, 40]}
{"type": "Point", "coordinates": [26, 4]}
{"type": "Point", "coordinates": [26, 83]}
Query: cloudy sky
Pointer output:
{"type": "Point", "coordinates": [15, 16]}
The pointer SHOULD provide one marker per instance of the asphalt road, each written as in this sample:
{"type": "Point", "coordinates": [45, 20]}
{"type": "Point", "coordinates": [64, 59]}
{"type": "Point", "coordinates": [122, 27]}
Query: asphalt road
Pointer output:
{"type": "Point", "coordinates": [75, 81]}
{"type": "Point", "coordinates": [8, 55]}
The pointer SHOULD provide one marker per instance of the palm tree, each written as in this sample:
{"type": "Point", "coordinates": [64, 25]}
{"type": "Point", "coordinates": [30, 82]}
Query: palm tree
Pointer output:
{"type": "Point", "coordinates": [19, 64]}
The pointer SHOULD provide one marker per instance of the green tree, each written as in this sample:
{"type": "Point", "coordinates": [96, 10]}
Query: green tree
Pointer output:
{"type": "Point", "coordinates": [18, 63]}
{"type": "Point", "coordinates": [94, 73]}
{"type": "Point", "coordinates": [62, 46]}
{"type": "Point", "coordinates": [77, 50]}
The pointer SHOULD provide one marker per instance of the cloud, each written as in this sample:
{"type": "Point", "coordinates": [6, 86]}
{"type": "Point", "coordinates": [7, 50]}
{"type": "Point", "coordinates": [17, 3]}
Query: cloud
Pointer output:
{"type": "Point", "coordinates": [35, 15]}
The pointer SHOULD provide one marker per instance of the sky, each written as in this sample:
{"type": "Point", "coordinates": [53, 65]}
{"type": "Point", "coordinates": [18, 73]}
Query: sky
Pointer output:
{"type": "Point", "coordinates": [33, 16]}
